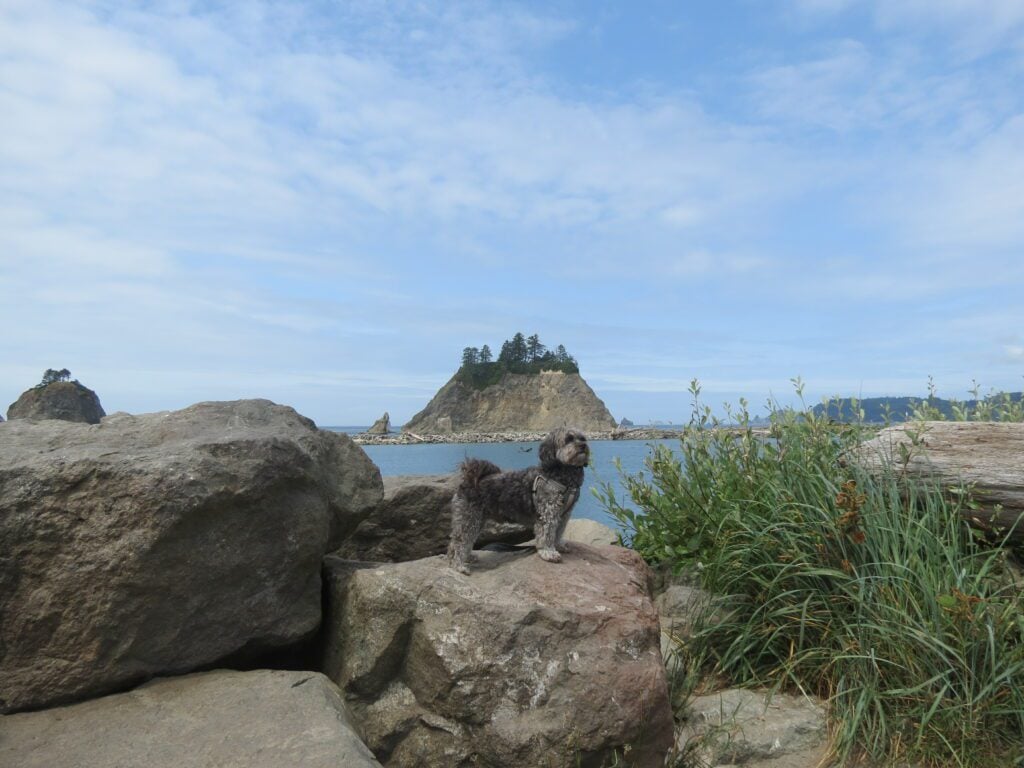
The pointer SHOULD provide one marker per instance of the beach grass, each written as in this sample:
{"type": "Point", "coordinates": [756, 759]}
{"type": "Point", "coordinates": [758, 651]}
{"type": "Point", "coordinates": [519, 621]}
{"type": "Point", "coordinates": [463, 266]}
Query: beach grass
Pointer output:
{"type": "Point", "coordinates": [861, 588]}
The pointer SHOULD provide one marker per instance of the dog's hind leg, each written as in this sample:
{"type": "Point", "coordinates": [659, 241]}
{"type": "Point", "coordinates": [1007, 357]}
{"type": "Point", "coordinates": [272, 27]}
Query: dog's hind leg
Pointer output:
{"type": "Point", "coordinates": [466, 523]}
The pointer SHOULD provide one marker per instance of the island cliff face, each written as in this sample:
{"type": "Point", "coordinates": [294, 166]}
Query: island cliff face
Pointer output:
{"type": "Point", "coordinates": [63, 400]}
{"type": "Point", "coordinates": [518, 402]}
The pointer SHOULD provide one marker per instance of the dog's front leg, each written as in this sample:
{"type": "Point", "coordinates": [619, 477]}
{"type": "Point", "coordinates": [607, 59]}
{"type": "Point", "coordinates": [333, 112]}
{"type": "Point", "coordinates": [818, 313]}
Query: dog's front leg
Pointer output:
{"type": "Point", "coordinates": [563, 520]}
{"type": "Point", "coordinates": [466, 523]}
{"type": "Point", "coordinates": [549, 515]}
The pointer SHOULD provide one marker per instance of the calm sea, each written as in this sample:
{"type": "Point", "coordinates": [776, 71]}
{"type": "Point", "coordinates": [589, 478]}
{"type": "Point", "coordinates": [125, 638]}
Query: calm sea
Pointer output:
{"type": "Point", "coordinates": [440, 458]}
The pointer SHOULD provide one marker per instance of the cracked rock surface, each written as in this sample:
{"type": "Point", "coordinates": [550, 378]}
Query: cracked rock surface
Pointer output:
{"type": "Point", "coordinates": [163, 543]}
{"type": "Point", "coordinates": [523, 662]}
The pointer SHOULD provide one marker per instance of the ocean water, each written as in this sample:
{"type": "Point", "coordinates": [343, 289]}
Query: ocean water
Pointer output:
{"type": "Point", "coordinates": [441, 458]}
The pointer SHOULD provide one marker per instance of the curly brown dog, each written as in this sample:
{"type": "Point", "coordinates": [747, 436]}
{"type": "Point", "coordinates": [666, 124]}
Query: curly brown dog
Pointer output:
{"type": "Point", "coordinates": [542, 496]}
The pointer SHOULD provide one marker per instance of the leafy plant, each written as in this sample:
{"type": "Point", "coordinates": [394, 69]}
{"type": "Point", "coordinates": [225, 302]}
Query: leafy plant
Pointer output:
{"type": "Point", "coordinates": [860, 587]}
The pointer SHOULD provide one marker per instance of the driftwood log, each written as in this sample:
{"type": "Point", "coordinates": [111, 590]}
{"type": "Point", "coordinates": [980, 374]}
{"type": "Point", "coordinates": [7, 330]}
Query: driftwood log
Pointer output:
{"type": "Point", "coordinates": [987, 457]}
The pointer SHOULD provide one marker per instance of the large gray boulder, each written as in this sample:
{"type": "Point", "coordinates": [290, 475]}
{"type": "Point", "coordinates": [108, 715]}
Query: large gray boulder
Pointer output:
{"type": "Point", "coordinates": [260, 719]}
{"type": "Point", "coordinates": [414, 521]}
{"type": "Point", "coordinates": [523, 663]}
{"type": "Point", "coordinates": [159, 544]}
{"type": "Point", "coordinates": [64, 400]}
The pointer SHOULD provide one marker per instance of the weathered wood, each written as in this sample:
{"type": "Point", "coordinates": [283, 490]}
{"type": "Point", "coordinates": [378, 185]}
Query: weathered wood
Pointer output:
{"type": "Point", "coordinates": [987, 456]}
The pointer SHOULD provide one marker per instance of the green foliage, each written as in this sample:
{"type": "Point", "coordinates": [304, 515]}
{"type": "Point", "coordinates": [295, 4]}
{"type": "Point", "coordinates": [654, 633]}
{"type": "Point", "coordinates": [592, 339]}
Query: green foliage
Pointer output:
{"type": "Point", "coordinates": [862, 588]}
{"type": "Point", "coordinates": [50, 376]}
{"type": "Point", "coordinates": [518, 355]}
{"type": "Point", "coordinates": [994, 406]}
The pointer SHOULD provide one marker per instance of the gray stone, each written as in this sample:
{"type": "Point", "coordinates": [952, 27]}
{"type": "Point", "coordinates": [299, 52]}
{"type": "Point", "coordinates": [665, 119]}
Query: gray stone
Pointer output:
{"type": "Point", "coordinates": [678, 607]}
{"type": "Point", "coordinates": [589, 532]}
{"type": "Point", "coordinates": [162, 543]}
{"type": "Point", "coordinates": [381, 426]}
{"type": "Point", "coordinates": [64, 400]}
{"type": "Point", "coordinates": [753, 728]}
{"type": "Point", "coordinates": [414, 521]}
{"type": "Point", "coordinates": [523, 663]}
{"type": "Point", "coordinates": [260, 719]}
{"type": "Point", "coordinates": [680, 600]}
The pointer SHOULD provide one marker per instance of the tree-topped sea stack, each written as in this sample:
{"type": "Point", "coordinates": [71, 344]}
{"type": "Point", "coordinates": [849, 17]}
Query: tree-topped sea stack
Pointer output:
{"type": "Point", "coordinates": [57, 398]}
{"type": "Point", "coordinates": [528, 388]}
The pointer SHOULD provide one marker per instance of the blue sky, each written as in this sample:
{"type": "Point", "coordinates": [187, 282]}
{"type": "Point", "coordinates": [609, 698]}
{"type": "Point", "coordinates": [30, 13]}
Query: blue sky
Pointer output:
{"type": "Point", "coordinates": [322, 203]}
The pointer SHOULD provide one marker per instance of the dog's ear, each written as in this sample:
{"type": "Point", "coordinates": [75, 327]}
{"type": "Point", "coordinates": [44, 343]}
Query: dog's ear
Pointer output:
{"type": "Point", "coordinates": [549, 446]}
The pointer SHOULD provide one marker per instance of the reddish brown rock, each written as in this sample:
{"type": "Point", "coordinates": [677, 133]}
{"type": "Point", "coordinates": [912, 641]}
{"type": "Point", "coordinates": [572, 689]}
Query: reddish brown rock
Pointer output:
{"type": "Point", "coordinates": [523, 663]}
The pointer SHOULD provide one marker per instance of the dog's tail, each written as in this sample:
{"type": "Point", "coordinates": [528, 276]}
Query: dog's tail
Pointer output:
{"type": "Point", "coordinates": [475, 470]}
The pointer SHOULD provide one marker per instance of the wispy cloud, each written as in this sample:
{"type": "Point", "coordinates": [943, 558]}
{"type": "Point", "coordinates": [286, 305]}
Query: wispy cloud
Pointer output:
{"type": "Point", "coordinates": [973, 27]}
{"type": "Point", "coordinates": [267, 188]}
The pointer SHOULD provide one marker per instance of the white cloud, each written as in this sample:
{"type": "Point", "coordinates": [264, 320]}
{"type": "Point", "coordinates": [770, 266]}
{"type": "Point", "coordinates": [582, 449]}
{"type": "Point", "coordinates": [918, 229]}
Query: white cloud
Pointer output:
{"type": "Point", "coordinates": [133, 123]}
{"type": "Point", "coordinates": [824, 6]}
{"type": "Point", "coordinates": [967, 199]}
{"type": "Point", "coordinates": [252, 187]}
{"type": "Point", "coordinates": [974, 27]}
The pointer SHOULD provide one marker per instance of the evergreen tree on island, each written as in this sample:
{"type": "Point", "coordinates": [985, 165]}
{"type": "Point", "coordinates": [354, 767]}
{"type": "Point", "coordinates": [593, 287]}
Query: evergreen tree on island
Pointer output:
{"type": "Point", "coordinates": [50, 376]}
{"type": "Point", "coordinates": [518, 355]}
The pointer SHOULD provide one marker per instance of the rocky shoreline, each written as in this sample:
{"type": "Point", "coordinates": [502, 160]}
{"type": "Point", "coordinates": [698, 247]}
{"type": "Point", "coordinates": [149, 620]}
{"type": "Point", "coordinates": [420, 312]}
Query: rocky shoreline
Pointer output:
{"type": "Point", "coordinates": [410, 438]}
{"type": "Point", "coordinates": [229, 585]}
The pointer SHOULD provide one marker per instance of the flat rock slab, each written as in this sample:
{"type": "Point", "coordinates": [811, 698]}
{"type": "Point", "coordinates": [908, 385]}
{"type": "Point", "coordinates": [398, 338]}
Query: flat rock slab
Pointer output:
{"type": "Point", "coordinates": [260, 719]}
{"type": "Point", "coordinates": [986, 455]}
{"type": "Point", "coordinates": [752, 728]}
{"type": "Point", "coordinates": [163, 543]}
{"type": "Point", "coordinates": [414, 521]}
{"type": "Point", "coordinates": [585, 531]}
{"type": "Point", "coordinates": [521, 663]}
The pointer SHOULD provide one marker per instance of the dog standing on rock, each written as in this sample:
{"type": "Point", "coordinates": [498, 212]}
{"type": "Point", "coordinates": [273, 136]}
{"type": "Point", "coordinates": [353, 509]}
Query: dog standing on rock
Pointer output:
{"type": "Point", "coordinates": [543, 495]}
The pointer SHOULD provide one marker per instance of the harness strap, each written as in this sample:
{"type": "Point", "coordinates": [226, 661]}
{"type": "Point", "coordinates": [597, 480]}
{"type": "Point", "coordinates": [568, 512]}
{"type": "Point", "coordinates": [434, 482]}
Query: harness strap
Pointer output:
{"type": "Point", "coordinates": [540, 478]}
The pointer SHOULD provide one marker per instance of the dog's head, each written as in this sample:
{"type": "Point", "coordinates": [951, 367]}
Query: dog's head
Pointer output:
{"type": "Point", "coordinates": [564, 446]}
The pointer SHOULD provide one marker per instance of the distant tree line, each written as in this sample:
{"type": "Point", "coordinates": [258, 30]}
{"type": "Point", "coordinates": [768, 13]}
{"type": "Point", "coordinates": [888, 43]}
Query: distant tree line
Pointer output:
{"type": "Point", "coordinates": [520, 354]}
{"type": "Point", "coordinates": [1000, 406]}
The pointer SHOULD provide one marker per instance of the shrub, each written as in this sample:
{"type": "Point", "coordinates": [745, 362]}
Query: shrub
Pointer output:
{"type": "Point", "coordinates": [860, 588]}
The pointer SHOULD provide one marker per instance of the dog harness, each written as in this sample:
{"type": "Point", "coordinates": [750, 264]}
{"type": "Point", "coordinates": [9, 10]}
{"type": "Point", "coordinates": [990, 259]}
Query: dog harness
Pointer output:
{"type": "Point", "coordinates": [546, 487]}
